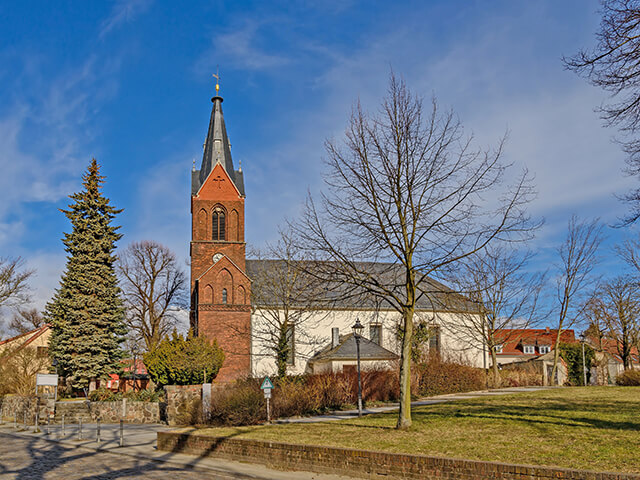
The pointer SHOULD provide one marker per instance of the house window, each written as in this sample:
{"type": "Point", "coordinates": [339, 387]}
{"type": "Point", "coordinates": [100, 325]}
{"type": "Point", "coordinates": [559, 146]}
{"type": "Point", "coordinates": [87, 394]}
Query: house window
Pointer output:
{"type": "Point", "coordinates": [529, 349]}
{"type": "Point", "coordinates": [218, 224]}
{"type": "Point", "coordinates": [498, 348]}
{"type": "Point", "coordinates": [544, 349]}
{"type": "Point", "coordinates": [42, 352]}
{"type": "Point", "coordinates": [375, 334]}
{"type": "Point", "coordinates": [291, 352]}
{"type": "Point", "coordinates": [224, 296]}
{"type": "Point", "coordinates": [434, 340]}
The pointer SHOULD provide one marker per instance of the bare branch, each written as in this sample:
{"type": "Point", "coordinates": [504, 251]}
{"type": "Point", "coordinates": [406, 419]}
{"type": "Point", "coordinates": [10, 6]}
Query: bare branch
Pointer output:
{"type": "Point", "coordinates": [154, 289]}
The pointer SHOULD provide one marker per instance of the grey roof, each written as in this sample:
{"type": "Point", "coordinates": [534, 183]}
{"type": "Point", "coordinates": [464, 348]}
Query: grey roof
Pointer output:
{"type": "Point", "coordinates": [435, 296]}
{"type": "Point", "coordinates": [216, 137]}
{"type": "Point", "coordinates": [346, 350]}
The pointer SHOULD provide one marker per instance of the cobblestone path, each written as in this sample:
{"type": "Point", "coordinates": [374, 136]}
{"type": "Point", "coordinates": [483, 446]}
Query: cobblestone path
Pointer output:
{"type": "Point", "coordinates": [36, 459]}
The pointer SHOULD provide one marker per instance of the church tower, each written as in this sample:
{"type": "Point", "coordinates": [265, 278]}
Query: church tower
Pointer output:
{"type": "Point", "coordinates": [220, 288]}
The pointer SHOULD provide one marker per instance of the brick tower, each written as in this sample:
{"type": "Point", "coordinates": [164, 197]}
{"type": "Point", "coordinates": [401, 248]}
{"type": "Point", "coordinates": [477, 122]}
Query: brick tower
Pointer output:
{"type": "Point", "coordinates": [220, 288]}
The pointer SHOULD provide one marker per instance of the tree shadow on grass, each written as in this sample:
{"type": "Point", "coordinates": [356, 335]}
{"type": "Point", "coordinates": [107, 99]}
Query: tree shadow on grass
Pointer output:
{"type": "Point", "coordinates": [558, 413]}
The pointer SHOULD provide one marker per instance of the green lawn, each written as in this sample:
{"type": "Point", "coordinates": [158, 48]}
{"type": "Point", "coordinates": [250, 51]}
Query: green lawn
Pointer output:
{"type": "Point", "coordinates": [594, 428]}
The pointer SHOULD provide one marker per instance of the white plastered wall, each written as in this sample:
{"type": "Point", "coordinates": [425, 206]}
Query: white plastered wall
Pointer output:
{"type": "Point", "coordinates": [315, 333]}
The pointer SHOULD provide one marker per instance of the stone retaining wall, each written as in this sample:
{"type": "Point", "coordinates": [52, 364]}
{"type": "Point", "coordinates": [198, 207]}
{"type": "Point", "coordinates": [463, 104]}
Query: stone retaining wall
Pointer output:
{"type": "Point", "coordinates": [363, 463]}
{"type": "Point", "coordinates": [127, 410]}
{"type": "Point", "coordinates": [18, 405]}
{"type": "Point", "coordinates": [183, 404]}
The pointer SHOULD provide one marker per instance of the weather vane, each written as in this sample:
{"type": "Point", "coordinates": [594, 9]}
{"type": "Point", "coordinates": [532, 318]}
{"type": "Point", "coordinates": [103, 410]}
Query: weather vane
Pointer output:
{"type": "Point", "coordinates": [217, 77]}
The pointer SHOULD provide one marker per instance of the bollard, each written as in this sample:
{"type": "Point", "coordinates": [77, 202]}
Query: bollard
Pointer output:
{"type": "Point", "coordinates": [121, 433]}
{"type": "Point", "coordinates": [15, 420]}
{"type": "Point", "coordinates": [24, 420]}
{"type": "Point", "coordinates": [98, 431]}
{"type": "Point", "coordinates": [80, 428]}
{"type": "Point", "coordinates": [63, 424]}
{"type": "Point", "coordinates": [48, 423]}
{"type": "Point", "coordinates": [2, 416]}
{"type": "Point", "coordinates": [35, 428]}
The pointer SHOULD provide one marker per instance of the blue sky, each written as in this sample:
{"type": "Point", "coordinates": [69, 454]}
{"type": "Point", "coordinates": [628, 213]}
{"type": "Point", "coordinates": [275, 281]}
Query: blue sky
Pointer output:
{"type": "Point", "coordinates": [129, 82]}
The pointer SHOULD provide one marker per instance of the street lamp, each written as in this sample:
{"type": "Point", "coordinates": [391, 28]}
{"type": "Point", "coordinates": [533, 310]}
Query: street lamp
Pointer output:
{"type": "Point", "coordinates": [357, 332]}
{"type": "Point", "coordinates": [584, 366]}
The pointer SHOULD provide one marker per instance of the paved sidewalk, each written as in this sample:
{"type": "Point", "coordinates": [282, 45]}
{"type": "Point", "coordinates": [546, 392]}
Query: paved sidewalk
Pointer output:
{"type": "Point", "coordinates": [138, 456]}
{"type": "Point", "coordinates": [345, 414]}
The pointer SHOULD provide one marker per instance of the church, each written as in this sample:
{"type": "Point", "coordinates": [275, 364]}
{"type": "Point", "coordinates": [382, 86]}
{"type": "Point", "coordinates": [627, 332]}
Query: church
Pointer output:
{"type": "Point", "coordinates": [221, 281]}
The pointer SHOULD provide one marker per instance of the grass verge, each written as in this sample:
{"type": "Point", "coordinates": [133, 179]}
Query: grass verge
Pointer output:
{"type": "Point", "coordinates": [594, 428]}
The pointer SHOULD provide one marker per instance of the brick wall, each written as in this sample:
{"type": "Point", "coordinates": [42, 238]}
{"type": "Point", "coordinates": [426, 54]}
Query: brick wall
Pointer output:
{"type": "Point", "coordinates": [228, 322]}
{"type": "Point", "coordinates": [365, 464]}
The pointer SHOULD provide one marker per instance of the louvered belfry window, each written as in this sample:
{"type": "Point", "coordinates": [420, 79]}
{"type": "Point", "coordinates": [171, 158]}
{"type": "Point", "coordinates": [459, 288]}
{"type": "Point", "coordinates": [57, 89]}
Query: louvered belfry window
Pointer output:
{"type": "Point", "coordinates": [218, 224]}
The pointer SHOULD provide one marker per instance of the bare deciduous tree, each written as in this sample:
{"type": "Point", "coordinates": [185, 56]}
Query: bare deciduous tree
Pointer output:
{"type": "Point", "coordinates": [18, 368]}
{"type": "Point", "coordinates": [577, 261]}
{"type": "Point", "coordinates": [618, 305]}
{"type": "Point", "coordinates": [506, 294]}
{"type": "Point", "coordinates": [13, 282]}
{"type": "Point", "coordinates": [25, 320]}
{"type": "Point", "coordinates": [614, 65]}
{"type": "Point", "coordinates": [407, 188]}
{"type": "Point", "coordinates": [154, 288]}
{"type": "Point", "coordinates": [285, 299]}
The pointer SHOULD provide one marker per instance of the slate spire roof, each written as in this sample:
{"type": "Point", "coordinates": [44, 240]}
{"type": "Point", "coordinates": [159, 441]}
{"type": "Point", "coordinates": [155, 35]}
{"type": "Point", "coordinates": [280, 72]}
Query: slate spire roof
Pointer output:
{"type": "Point", "coordinates": [216, 150]}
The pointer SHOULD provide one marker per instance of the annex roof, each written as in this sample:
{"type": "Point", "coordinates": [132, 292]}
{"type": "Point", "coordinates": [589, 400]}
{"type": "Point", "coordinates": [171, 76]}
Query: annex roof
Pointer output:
{"type": "Point", "coordinates": [346, 350]}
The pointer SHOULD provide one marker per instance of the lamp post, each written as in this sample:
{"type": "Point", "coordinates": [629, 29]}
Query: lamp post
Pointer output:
{"type": "Point", "coordinates": [357, 332]}
{"type": "Point", "coordinates": [584, 365]}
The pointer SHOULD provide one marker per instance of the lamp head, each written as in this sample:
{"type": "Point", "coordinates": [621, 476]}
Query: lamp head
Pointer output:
{"type": "Point", "coordinates": [357, 328]}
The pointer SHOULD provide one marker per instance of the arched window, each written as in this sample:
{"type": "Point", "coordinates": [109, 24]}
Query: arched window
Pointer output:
{"type": "Point", "coordinates": [218, 223]}
{"type": "Point", "coordinates": [224, 296]}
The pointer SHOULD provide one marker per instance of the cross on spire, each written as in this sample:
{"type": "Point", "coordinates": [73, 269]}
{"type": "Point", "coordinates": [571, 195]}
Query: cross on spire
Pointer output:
{"type": "Point", "coordinates": [217, 77]}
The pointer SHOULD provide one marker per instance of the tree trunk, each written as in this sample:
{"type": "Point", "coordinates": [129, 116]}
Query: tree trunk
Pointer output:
{"type": "Point", "coordinates": [494, 368]}
{"type": "Point", "coordinates": [554, 380]}
{"type": "Point", "coordinates": [404, 416]}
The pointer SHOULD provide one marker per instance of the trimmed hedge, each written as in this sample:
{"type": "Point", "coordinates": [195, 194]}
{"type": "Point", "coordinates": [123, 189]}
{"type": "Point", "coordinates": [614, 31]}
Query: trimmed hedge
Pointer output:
{"type": "Point", "coordinates": [438, 377]}
{"type": "Point", "coordinates": [629, 378]}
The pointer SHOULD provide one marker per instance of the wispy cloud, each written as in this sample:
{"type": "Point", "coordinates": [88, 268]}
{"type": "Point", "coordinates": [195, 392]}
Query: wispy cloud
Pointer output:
{"type": "Point", "coordinates": [123, 11]}
{"type": "Point", "coordinates": [240, 47]}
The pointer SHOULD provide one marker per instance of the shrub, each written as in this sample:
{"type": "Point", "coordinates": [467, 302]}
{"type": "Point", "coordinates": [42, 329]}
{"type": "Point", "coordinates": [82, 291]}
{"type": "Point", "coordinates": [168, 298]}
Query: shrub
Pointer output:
{"type": "Point", "coordinates": [243, 403]}
{"type": "Point", "coordinates": [519, 377]}
{"type": "Point", "coordinates": [180, 361]}
{"type": "Point", "coordinates": [572, 355]}
{"type": "Point", "coordinates": [437, 376]}
{"type": "Point", "coordinates": [104, 395]}
{"type": "Point", "coordinates": [240, 403]}
{"type": "Point", "coordinates": [629, 378]}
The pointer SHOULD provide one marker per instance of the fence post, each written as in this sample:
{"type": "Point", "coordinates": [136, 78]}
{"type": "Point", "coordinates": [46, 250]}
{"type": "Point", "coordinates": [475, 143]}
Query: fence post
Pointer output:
{"type": "Point", "coordinates": [79, 428]}
{"type": "Point", "coordinates": [122, 433]}
{"type": "Point", "coordinates": [35, 428]}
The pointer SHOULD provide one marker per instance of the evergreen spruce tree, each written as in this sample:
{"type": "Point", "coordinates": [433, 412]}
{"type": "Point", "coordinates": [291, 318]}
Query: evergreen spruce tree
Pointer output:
{"type": "Point", "coordinates": [86, 311]}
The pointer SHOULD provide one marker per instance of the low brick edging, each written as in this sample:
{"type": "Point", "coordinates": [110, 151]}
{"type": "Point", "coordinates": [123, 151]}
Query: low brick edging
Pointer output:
{"type": "Point", "coordinates": [364, 463]}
